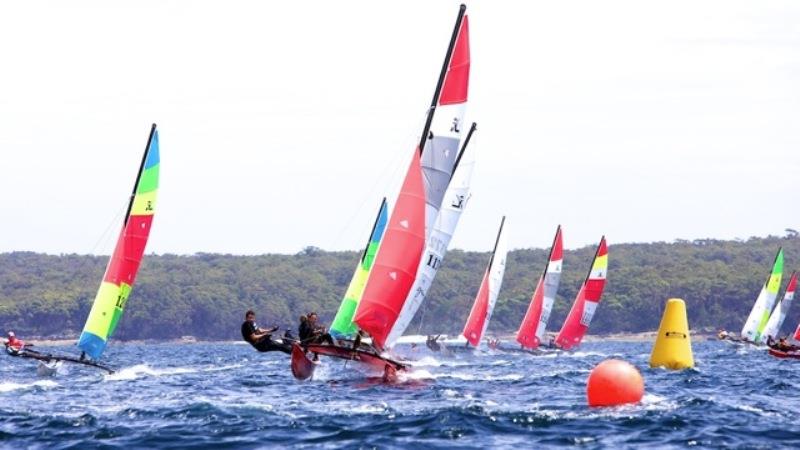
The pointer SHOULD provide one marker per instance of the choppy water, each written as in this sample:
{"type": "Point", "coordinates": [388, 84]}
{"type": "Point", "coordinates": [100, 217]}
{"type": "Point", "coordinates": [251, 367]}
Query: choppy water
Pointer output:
{"type": "Point", "coordinates": [228, 396]}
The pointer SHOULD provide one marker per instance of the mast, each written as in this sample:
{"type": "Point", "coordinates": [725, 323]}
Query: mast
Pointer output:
{"type": "Point", "coordinates": [461, 10]}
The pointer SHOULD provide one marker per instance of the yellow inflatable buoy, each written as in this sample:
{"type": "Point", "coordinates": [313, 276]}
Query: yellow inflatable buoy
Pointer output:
{"type": "Point", "coordinates": [673, 348]}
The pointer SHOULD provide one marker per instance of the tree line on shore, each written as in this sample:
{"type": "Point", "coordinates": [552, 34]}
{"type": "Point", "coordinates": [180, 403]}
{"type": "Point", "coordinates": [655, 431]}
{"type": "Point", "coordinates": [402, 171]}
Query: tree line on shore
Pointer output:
{"type": "Point", "coordinates": [206, 295]}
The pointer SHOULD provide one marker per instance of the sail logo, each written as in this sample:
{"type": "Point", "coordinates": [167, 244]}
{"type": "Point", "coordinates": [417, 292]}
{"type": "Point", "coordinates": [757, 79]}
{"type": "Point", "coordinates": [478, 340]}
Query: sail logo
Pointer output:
{"type": "Point", "coordinates": [393, 275]}
{"type": "Point", "coordinates": [458, 203]}
{"type": "Point", "coordinates": [404, 223]}
{"type": "Point", "coordinates": [149, 206]}
{"type": "Point", "coordinates": [433, 261]}
{"type": "Point", "coordinates": [455, 128]}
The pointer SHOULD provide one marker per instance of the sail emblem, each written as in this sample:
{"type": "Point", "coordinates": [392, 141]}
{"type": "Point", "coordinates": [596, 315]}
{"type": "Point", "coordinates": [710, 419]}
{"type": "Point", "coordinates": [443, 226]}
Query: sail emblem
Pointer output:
{"type": "Point", "coordinates": [455, 125]}
{"type": "Point", "coordinates": [393, 275]}
{"type": "Point", "coordinates": [404, 223]}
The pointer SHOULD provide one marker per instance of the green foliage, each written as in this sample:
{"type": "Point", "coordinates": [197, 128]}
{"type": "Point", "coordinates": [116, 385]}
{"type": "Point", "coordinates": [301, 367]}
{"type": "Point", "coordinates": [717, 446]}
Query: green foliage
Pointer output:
{"type": "Point", "coordinates": [205, 295]}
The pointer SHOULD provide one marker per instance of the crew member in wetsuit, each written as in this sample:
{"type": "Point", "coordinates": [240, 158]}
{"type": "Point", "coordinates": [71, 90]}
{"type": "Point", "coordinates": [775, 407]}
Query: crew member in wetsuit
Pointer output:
{"type": "Point", "coordinates": [259, 338]}
{"type": "Point", "coordinates": [311, 332]}
{"type": "Point", "coordinates": [781, 344]}
{"type": "Point", "coordinates": [432, 343]}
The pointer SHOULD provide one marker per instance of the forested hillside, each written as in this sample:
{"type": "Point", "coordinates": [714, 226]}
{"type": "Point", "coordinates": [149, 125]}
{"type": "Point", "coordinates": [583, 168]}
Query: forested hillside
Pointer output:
{"type": "Point", "coordinates": [205, 295]}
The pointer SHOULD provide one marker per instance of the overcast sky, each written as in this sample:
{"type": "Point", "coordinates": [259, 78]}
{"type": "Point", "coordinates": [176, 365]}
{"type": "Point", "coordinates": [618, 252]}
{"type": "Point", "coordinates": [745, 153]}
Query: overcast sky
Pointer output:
{"type": "Point", "coordinates": [284, 123]}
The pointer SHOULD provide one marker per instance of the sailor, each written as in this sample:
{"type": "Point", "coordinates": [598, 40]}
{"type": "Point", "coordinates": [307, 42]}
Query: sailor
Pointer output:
{"type": "Point", "coordinates": [260, 338]}
{"type": "Point", "coordinates": [13, 345]}
{"type": "Point", "coordinates": [312, 332]}
{"type": "Point", "coordinates": [432, 344]}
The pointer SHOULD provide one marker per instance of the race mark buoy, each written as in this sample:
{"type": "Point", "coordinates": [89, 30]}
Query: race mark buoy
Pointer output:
{"type": "Point", "coordinates": [673, 347]}
{"type": "Point", "coordinates": [614, 382]}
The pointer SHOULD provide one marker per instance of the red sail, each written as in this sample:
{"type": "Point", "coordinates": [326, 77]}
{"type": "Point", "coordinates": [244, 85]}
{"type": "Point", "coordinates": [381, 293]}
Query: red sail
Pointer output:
{"type": "Point", "coordinates": [526, 336]}
{"type": "Point", "coordinates": [529, 335]}
{"type": "Point", "coordinates": [586, 302]}
{"type": "Point", "coordinates": [473, 329]}
{"type": "Point", "coordinates": [398, 257]}
{"type": "Point", "coordinates": [456, 83]}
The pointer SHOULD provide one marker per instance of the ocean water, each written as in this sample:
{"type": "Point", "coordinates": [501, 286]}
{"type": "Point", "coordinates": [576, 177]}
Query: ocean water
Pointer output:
{"type": "Point", "coordinates": [217, 396]}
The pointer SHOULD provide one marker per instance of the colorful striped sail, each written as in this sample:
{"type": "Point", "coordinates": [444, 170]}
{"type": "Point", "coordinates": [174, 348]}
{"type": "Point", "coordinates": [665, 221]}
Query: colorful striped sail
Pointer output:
{"type": "Point", "coordinates": [124, 263]}
{"type": "Point", "coordinates": [773, 327]}
{"type": "Point", "coordinates": [455, 202]}
{"type": "Point", "coordinates": [401, 249]}
{"type": "Point", "coordinates": [343, 325]}
{"type": "Point", "coordinates": [482, 308]}
{"type": "Point", "coordinates": [759, 315]}
{"type": "Point", "coordinates": [580, 316]}
{"type": "Point", "coordinates": [532, 329]}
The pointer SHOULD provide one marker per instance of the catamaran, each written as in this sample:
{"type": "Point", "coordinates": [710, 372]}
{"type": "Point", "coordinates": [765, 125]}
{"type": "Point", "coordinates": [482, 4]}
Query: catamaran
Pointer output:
{"type": "Point", "coordinates": [120, 274]}
{"type": "Point", "coordinates": [580, 316]}
{"type": "Point", "coordinates": [410, 224]}
{"type": "Point", "coordinates": [532, 329]}
{"type": "Point", "coordinates": [485, 300]}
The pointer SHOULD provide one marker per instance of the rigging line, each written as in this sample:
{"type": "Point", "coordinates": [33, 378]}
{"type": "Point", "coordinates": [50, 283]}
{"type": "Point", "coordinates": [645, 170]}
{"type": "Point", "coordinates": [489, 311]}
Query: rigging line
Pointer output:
{"type": "Point", "coordinates": [387, 176]}
{"type": "Point", "coordinates": [104, 236]}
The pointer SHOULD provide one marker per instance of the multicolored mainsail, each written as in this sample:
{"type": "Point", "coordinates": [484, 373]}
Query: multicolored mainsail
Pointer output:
{"type": "Point", "coordinates": [342, 325]}
{"type": "Point", "coordinates": [585, 305]}
{"type": "Point", "coordinates": [401, 249]}
{"type": "Point", "coordinates": [484, 303]}
{"type": "Point", "coordinates": [759, 315]}
{"type": "Point", "coordinates": [779, 313]}
{"type": "Point", "coordinates": [456, 199]}
{"type": "Point", "coordinates": [532, 329]}
{"type": "Point", "coordinates": [124, 263]}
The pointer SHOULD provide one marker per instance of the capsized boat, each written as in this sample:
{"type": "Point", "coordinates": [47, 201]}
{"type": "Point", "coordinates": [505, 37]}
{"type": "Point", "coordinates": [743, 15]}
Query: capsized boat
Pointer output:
{"type": "Point", "coordinates": [759, 315]}
{"type": "Point", "coordinates": [580, 316]}
{"type": "Point", "coordinates": [482, 308]}
{"type": "Point", "coordinates": [120, 274]}
{"type": "Point", "coordinates": [343, 326]}
{"type": "Point", "coordinates": [773, 326]}
{"type": "Point", "coordinates": [531, 331]}
{"type": "Point", "coordinates": [399, 254]}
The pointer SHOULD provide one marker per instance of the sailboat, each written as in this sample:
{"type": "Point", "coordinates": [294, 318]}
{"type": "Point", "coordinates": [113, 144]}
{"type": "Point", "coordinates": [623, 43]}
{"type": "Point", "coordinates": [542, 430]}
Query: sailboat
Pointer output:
{"type": "Point", "coordinates": [759, 315]}
{"type": "Point", "coordinates": [411, 221]}
{"type": "Point", "coordinates": [342, 325]}
{"type": "Point", "coordinates": [532, 329]}
{"type": "Point", "coordinates": [456, 199]}
{"type": "Point", "coordinates": [120, 274]}
{"type": "Point", "coordinates": [580, 316]}
{"type": "Point", "coordinates": [482, 308]}
{"type": "Point", "coordinates": [775, 321]}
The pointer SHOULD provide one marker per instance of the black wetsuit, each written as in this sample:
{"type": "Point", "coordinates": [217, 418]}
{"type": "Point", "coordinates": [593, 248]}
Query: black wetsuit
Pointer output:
{"type": "Point", "coordinates": [265, 344]}
{"type": "Point", "coordinates": [312, 335]}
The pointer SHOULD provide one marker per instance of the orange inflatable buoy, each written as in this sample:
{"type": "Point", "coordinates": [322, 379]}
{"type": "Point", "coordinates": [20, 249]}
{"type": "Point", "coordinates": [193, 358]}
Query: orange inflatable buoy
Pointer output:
{"type": "Point", "coordinates": [614, 382]}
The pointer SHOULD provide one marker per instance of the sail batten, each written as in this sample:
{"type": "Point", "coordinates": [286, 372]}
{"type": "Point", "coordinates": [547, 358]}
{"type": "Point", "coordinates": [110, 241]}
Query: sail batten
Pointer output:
{"type": "Point", "coordinates": [532, 329]}
{"type": "Point", "coordinates": [123, 265]}
{"type": "Point", "coordinates": [485, 300]}
{"type": "Point", "coordinates": [759, 315]}
{"type": "Point", "coordinates": [583, 308]}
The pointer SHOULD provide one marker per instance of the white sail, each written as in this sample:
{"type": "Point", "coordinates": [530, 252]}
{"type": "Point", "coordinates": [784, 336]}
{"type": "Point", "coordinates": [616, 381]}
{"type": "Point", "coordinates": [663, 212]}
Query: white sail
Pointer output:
{"type": "Point", "coordinates": [757, 320]}
{"type": "Point", "coordinates": [779, 313]}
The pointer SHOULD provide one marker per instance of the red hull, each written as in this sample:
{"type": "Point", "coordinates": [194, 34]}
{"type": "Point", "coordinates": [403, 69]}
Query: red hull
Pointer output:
{"type": "Point", "coordinates": [781, 354]}
{"type": "Point", "coordinates": [302, 367]}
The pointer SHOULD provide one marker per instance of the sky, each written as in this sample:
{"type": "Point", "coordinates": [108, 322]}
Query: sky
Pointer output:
{"type": "Point", "coordinates": [283, 124]}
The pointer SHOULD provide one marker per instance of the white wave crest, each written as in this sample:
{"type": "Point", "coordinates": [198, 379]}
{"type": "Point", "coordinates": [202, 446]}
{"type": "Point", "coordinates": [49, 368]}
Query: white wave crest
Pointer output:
{"type": "Point", "coordinates": [9, 386]}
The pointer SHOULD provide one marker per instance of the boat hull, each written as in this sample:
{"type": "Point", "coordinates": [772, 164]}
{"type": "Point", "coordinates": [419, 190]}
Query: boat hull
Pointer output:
{"type": "Point", "coordinates": [782, 354]}
{"type": "Point", "coordinates": [302, 366]}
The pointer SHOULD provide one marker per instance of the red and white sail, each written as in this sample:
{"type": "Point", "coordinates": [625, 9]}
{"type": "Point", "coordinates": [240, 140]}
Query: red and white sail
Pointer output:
{"type": "Point", "coordinates": [532, 330]}
{"type": "Point", "coordinates": [401, 250]}
{"type": "Point", "coordinates": [779, 313]}
{"type": "Point", "coordinates": [455, 201]}
{"type": "Point", "coordinates": [585, 305]}
{"type": "Point", "coordinates": [484, 303]}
